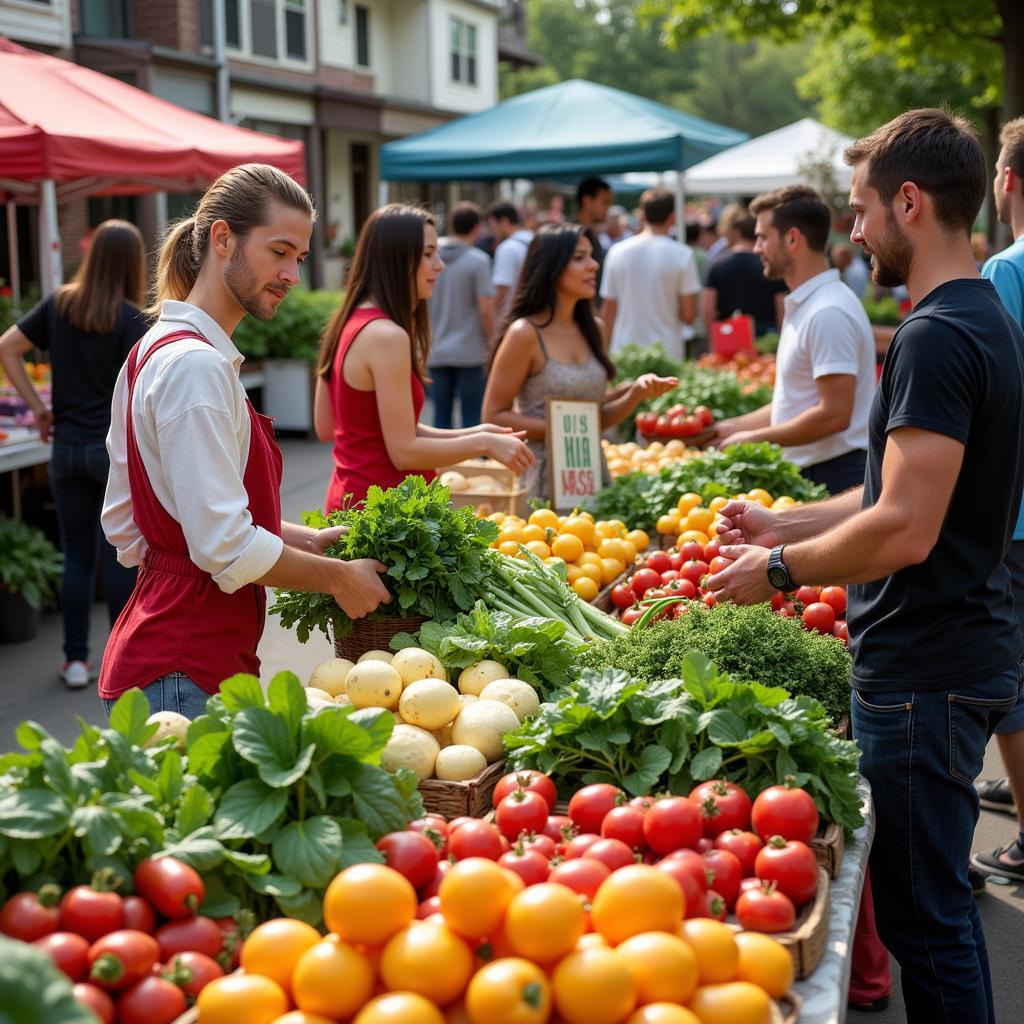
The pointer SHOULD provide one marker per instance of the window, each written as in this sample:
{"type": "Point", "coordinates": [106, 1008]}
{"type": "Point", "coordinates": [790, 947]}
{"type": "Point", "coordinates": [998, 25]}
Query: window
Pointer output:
{"type": "Point", "coordinates": [271, 29]}
{"type": "Point", "coordinates": [263, 25]}
{"type": "Point", "coordinates": [295, 29]}
{"type": "Point", "coordinates": [107, 19]}
{"type": "Point", "coordinates": [232, 24]}
{"type": "Point", "coordinates": [463, 51]}
{"type": "Point", "coordinates": [362, 36]}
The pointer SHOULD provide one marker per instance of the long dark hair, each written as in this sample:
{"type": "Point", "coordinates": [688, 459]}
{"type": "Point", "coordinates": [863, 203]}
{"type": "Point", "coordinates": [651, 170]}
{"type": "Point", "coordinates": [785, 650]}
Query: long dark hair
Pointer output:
{"type": "Point", "coordinates": [549, 254]}
{"type": "Point", "coordinates": [384, 269]}
{"type": "Point", "coordinates": [113, 272]}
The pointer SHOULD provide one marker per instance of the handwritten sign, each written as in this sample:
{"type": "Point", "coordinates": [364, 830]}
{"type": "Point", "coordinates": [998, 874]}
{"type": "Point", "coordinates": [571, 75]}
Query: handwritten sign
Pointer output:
{"type": "Point", "coordinates": [574, 451]}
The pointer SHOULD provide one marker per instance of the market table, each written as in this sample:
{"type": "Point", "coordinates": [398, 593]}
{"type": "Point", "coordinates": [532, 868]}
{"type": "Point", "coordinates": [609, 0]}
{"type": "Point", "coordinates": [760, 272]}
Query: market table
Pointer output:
{"type": "Point", "coordinates": [824, 992]}
{"type": "Point", "coordinates": [18, 455]}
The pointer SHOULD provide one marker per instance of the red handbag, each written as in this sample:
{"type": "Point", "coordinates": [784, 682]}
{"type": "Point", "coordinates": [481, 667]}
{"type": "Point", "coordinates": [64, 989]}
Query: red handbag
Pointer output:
{"type": "Point", "coordinates": [733, 335]}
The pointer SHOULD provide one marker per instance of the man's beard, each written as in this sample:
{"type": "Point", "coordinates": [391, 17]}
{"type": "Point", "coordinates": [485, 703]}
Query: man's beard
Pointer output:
{"type": "Point", "coordinates": [892, 257]}
{"type": "Point", "coordinates": [245, 287]}
{"type": "Point", "coordinates": [1003, 208]}
{"type": "Point", "coordinates": [775, 270]}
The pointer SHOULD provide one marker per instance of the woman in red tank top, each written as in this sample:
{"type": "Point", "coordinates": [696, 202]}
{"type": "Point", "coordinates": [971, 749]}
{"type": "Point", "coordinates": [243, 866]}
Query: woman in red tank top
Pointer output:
{"type": "Point", "coordinates": [371, 374]}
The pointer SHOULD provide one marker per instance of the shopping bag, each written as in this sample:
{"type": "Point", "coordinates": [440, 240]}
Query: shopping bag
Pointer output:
{"type": "Point", "coordinates": [733, 335]}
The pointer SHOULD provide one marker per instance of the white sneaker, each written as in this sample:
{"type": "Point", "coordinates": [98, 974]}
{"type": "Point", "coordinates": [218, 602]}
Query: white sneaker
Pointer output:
{"type": "Point", "coordinates": [75, 674]}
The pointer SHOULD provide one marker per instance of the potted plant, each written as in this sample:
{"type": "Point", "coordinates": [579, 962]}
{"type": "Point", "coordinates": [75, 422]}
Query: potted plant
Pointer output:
{"type": "Point", "coordinates": [30, 568]}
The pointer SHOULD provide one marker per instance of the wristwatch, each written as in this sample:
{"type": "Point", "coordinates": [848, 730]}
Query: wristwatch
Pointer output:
{"type": "Point", "coordinates": [778, 574]}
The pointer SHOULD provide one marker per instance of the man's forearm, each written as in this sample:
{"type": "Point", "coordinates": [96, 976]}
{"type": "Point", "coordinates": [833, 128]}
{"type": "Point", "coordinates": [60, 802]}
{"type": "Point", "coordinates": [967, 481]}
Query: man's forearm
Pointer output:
{"type": "Point", "coordinates": [803, 521]}
{"type": "Point", "coordinates": [296, 536]}
{"type": "Point", "coordinates": [300, 570]}
{"type": "Point", "coordinates": [811, 425]}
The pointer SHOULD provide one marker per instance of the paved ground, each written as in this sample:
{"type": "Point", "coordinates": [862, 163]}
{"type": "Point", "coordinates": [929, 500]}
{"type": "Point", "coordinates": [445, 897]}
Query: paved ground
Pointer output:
{"type": "Point", "coordinates": [29, 688]}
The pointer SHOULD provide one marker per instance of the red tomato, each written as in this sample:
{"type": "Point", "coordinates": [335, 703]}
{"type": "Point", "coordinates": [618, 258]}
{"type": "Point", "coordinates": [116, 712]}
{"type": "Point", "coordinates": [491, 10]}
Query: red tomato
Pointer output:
{"type": "Point", "coordinates": [475, 839]}
{"type": "Point", "coordinates": [630, 615]}
{"type": "Point", "coordinates": [625, 824]}
{"type": "Point", "coordinates": [411, 854]}
{"type": "Point", "coordinates": [841, 632]}
{"type": "Point", "coordinates": [659, 561]}
{"type": "Point", "coordinates": [29, 916]}
{"type": "Point", "coordinates": [123, 957]}
{"type": "Point", "coordinates": [727, 871]}
{"type": "Point", "coordinates": [623, 595]}
{"type": "Point", "coordinates": [559, 828]}
{"type": "Point", "coordinates": [590, 804]}
{"type": "Point", "coordinates": [582, 875]}
{"type": "Point", "coordinates": [678, 410]}
{"type": "Point", "coordinates": [432, 887]}
{"type": "Point", "coordinates": [521, 811]}
{"type": "Point", "coordinates": [753, 882]}
{"type": "Point", "coordinates": [807, 594]}
{"type": "Point", "coordinates": [709, 599]}
{"type": "Point", "coordinates": [233, 940]}
{"type": "Point", "coordinates": [669, 576]}
{"type": "Point", "coordinates": [194, 934]}
{"type": "Point", "coordinates": [172, 888]}
{"type": "Point", "coordinates": [765, 909]}
{"type": "Point", "coordinates": [723, 806]}
{"type": "Point", "coordinates": [196, 971]}
{"type": "Point", "coordinates": [645, 803]}
{"type": "Point", "coordinates": [687, 589]}
{"type": "Point", "coordinates": [578, 845]}
{"type": "Point", "coordinates": [712, 548]}
{"type": "Point", "coordinates": [788, 610]}
{"type": "Point", "coordinates": [694, 570]}
{"type": "Point", "coordinates": [613, 853]}
{"type": "Point", "coordinates": [534, 781]}
{"type": "Point", "coordinates": [644, 580]}
{"type": "Point", "coordinates": [705, 415]}
{"type": "Point", "coordinates": [429, 907]}
{"type": "Point", "coordinates": [70, 952]}
{"type": "Point", "coordinates": [151, 1001]}
{"type": "Point", "coordinates": [138, 914]}
{"type": "Point", "coordinates": [792, 866]}
{"type": "Point", "coordinates": [712, 906]}
{"type": "Point", "coordinates": [96, 1000]}
{"type": "Point", "coordinates": [776, 600]}
{"type": "Point", "coordinates": [688, 880]}
{"type": "Point", "coordinates": [459, 822]}
{"type": "Point", "coordinates": [718, 563]}
{"type": "Point", "coordinates": [704, 845]}
{"type": "Point", "coordinates": [785, 811]}
{"type": "Point", "coordinates": [676, 559]}
{"type": "Point", "coordinates": [435, 829]}
{"type": "Point", "coordinates": [672, 824]}
{"type": "Point", "coordinates": [820, 617]}
{"type": "Point", "coordinates": [663, 427]}
{"type": "Point", "coordinates": [742, 845]}
{"type": "Point", "coordinates": [91, 913]}
{"type": "Point", "coordinates": [532, 867]}
{"type": "Point", "coordinates": [836, 597]}
{"type": "Point", "coordinates": [691, 551]}
{"type": "Point", "coordinates": [646, 422]}
{"type": "Point", "coordinates": [539, 843]}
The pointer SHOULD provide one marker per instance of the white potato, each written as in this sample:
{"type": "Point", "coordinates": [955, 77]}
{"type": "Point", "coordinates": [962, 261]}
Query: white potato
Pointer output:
{"type": "Point", "coordinates": [429, 703]}
{"type": "Point", "coordinates": [330, 675]}
{"type": "Point", "coordinates": [519, 696]}
{"type": "Point", "coordinates": [483, 725]}
{"type": "Point", "coordinates": [473, 679]}
{"type": "Point", "coordinates": [459, 763]}
{"type": "Point", "coordinates": [374, 684]}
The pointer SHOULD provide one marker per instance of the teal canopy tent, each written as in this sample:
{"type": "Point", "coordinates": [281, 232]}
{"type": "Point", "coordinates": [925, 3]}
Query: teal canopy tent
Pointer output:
{"type": "Point", "coordinates": [573, 128]}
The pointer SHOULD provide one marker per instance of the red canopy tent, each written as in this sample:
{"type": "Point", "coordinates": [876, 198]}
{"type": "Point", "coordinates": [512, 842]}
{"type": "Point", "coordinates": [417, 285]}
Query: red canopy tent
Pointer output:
{"type": "Point", "coordinates": [67, 132]}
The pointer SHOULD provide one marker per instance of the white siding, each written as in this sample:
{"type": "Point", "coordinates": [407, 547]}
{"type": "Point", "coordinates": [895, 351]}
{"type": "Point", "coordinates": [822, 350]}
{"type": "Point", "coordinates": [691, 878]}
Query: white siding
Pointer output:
{"type": "Point", "coordinates": [460, 96]}
{"type": "Point", "coordinates": [338, 185]}
{"type": "Point", "coordinates": [410, 51]}
{"type": "Point", "coordinates": [337, 40]}
{"type": "Point", "coordinates": [28, 22]}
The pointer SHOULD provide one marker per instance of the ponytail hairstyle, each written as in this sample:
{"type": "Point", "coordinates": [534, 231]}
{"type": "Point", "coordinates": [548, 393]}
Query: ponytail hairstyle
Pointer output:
{"type": "Point", "coordinates": [240, 198]}
{"type": "Point", "coordinates": [384, 269]}
{"type": "Point", "coordinates": [536, 295]}
{"type": "Point", "coordinates": [112, 273]}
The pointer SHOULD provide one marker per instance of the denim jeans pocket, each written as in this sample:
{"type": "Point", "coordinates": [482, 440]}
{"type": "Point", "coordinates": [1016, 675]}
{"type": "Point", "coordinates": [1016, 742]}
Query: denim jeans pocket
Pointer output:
{"type": "Point", "coordinates": [889, 703]}
{"type": "Point", "coordinates": [972, 719]}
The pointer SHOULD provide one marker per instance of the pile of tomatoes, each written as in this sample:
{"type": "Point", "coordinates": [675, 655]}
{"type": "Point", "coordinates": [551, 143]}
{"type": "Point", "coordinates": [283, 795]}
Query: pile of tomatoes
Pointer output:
{"type": "Point", "coordinates": [139, 959]}
{"type": "Point", "coordinates": [676, 422]}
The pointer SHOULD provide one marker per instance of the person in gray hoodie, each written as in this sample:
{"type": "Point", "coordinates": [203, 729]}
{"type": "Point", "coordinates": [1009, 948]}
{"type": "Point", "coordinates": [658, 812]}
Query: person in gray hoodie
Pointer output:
{"type": "Point", "coordinates": [462, 321]}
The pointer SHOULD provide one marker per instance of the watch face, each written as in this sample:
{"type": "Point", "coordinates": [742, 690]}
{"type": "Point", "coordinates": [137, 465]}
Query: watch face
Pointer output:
{"type": "Point", "coordinates": [777, 578]}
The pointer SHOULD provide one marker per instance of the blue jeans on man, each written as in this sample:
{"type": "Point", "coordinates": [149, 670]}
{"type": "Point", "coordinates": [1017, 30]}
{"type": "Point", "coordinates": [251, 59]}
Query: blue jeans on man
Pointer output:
{"type": "Point", "coordinates": [466, 382]}
{"type": "Point", "coordinates": [922, 751]}
{"type": "Point", "coordinates": [173, 692]}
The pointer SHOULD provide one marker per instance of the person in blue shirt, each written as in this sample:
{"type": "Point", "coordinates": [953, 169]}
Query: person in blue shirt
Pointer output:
{"type": "Point", "coordinates": [1006, 272]}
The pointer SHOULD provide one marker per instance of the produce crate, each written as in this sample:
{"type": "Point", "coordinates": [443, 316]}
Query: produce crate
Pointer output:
{"type": "Point", "coordinates": [471, 798]}
{"type": "Point", "coordinates": [509, 497]}
{"type": "Point", "coordinates": [603, 601]}
{"type": "Point", "coordinates": [828, 846]}
{"type": "Point", "coordinates": [787, 1009]}
{"type": "Point", "coordinates": [374, 635]}
{"type": "Point", "coordinates": [807, 941]}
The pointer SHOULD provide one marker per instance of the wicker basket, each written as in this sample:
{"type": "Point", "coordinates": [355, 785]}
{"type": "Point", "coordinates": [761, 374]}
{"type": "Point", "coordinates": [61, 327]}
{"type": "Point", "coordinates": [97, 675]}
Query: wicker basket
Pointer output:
{"type": "Point", "coordinates": [374, 635]}
{"type": "Point", "coordinates": [462, 799]}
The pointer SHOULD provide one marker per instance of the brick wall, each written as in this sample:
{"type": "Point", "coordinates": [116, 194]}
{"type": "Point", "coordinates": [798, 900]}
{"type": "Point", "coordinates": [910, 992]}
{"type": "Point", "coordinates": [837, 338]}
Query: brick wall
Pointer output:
{"type": "Point", "coordinates": [170, 23]}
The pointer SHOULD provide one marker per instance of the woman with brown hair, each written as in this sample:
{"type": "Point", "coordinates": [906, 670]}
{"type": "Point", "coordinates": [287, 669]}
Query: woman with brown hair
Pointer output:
{"type": "Point", "coordinates": [371, 375]}
{"type": "Point", "coordinates": [88, 327]}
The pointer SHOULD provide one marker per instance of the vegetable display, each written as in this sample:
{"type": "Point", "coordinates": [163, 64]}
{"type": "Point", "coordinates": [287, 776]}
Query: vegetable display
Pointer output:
{"type": "Point", "coordinates": [630, 457]}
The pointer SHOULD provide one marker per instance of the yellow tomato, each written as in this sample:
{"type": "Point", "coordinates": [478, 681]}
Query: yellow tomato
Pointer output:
{"type": "Point", "coordinates": [604, 529]}
{"type": "Point", "coordinates": [619, 525]}
{"type": "Point", "coordinates": [591, 571]}
{"type": "Point", "coordinates": [734, 1002]}
{"type": "Point", "coordinates": [333, 979]}
{"type": "Point", "coordinates": [512, 533]}
{"type": "Point", "coordinates": [497, 517]}
{"type": "Point", "coordinates": [508, 547]}
{"type": "Point", "coordinates": [554, 560]}
{"type": "Point", "coordinates": [663, 1013]}
{"type": "Point", "coordinates": [581, 527]}
{"type": "Point", "coordinates": [699, 519]}
{"type": "Point", "coordinates": [428, 958]}
{"type": "Point", "coordinates": [585, 514]}
{"type": "Point", "coordinates": [237, 997]}
{"type": "Point", "coordinates": [591, 939]}
{"type": "Point", "coordinates": [567, 546]}
{"type": "Point", "coordinates": [594, 986]}
{"type": "Point", "coordinates": [368, 903]}
{"type": "Point", "coordinates": [544, 518]}
{"type": "Point", "coordinates": [784, 502]}
{"type": "Point", "coordinates": [538, 548]}
{"type": "Point", "coordinates": [636, 899]}
{"type": "Point", "coordinates": [573, 573]}
{"type": "Point", "coordinates": [715, 945]}
{"type": "Point", "coordinates": [610, 569]}
{"type": "Point", "coordinates": [765, 962]}
{"type": "Point", "coordinates": [398, 1008]}
{"type": "Point", "coordinates": [509, 991]}
{"type": "Point", "coordinates": [544, 922]}
{"type": "Point", "coordinates": [301, 1017]}
{"type": "Point", "coordinates": [717, 504]}
{"type": "Point", "coordinates": [628, 551]}
{"type": "Point", "coordinates": [589, 558]}
{"type": "Point", "coordinates": [611, 548]}
{"type": "Point", "coordinates": [688, 501]}
{"type": "Point", "coordinates": [531, 533]}
{"type": "Point", "coordinates": [699, 536]}
{"type": "Point", "coordinates": [475, 894]}
{"type": "Point", "coordinates": [640, 539]}
{"type": "Point", "coordinates": [668, 524]}
{"type": "Point", "coordinates": [663, 967]}
{"type": "Point", "coordinates": [274, 948]}
{"type": "Point", "coordinates": [759, 494]}
{"type": "Point", "coordinates": [585, 588]}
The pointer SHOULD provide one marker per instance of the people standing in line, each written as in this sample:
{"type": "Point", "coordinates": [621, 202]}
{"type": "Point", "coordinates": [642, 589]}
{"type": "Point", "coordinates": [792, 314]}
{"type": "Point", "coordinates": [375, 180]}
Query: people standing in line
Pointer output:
{"type": "Point", "coordinates": [88, 327]}
{"type": "Point", "coordinates": [853, 269]}
{"type": "Point", "coordinates": [736, 282]}
{"type": "Point", "coordinates": [935, 642]}
{"type": "Point", "coordinates": [1006, 272]}
{"type": "Point", "coordinates": [593, 201]}
{"type": "Point", "coordinates": [195, 474]}
{"type": "Point", "coordinates": [825, 371]}
{"type": "Point", "coordinates": [462, 317]}
{"type": "Point", "coordinates": [553, 346]}
{"type": "Point", "coordinates": [510, 252]}
{"type": "Point", "coordinates": [651, 284]}
{"type": "Point", "coordinates": [372, 369]}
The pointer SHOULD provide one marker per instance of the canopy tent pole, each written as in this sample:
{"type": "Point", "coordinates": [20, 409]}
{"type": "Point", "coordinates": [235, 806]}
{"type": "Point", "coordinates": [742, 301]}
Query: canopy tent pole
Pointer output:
{"type": "Point", "coordinates": [50, 262]}
{"type": "Point", "coordinates": [12, 255]}
{"type": "Point", "coordinates": [681, 205]}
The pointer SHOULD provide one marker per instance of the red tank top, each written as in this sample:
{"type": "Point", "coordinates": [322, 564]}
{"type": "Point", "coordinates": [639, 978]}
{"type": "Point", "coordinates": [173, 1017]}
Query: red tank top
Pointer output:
{"type": "Point", "coordinates": [360, 455]}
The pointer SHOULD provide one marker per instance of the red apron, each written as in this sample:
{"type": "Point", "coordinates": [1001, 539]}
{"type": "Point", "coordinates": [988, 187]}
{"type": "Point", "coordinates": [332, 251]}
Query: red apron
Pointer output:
{"type": "Point", "coordinates": [178, 619]}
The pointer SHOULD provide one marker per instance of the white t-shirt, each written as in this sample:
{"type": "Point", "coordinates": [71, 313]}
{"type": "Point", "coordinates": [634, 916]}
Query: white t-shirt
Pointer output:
{"type": "Point", "coordinates": [509, 258]}
{"type": "Point", "coordinates": [824, 331]}
{"type": "Point", "coordinates": [646, 275]}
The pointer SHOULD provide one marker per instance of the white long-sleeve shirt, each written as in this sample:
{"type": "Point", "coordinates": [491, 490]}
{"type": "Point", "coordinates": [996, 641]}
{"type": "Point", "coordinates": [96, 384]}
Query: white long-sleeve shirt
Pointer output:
{"type": "Point", "coordinates": [192, 429]}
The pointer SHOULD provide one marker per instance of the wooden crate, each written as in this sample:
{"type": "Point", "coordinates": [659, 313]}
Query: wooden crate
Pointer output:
{"type": "Point", "coordinates": [809, 938]}
{"type": "Point", "coordinates": [511, 499]}
{"type": "Point", "coordinates": [462, 799]}
{"type": "Point", "coordinates": [828, 846]}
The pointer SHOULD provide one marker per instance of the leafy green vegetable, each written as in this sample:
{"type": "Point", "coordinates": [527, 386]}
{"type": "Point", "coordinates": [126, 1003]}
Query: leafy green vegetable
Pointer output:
{"type": "Point", "coordinates": [751, 643]}
{"type": "Point", "coordinates": [34, 991]}
{"type": "Point", "coordinates": [533, 649]}
{"type": "Point", "coordinates": [632, 361]}
{"type": "Point", "coordinates": [434, 554]}
{"type": "Point", "coordinates": [670, 734]}
{"type": "Point", "coordinates": [721, 390]}
{"type": "Point", "coordinates": [641, 498]}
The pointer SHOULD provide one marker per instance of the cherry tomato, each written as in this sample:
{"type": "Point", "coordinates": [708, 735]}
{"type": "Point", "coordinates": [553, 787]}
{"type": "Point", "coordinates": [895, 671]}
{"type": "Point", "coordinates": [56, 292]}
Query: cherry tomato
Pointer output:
{"type": "Point", "coordinates": [538, 843]}
{"type": "Point", "coordinates": [645, 803]}
{"type": "Point", "coordinates": [532, 867]}
{"type": "Point", "coordinates": [457, 823]}
{"type": "Point", "coordinates": [429, 907]}
{"type": "Point", "coordinates": [792, 866]}
{"type": "Point", "coordinates": [151, 1001]}
{"type": "Point", "coordinates": [841, 632]}
{"type": "Point", "coordinates": [712, 548]}
{"type": "Point", "coordinates": [435, 829]}
{"type": "Point", "coordinates": [582, 875]}
{"type": "Point", "coordinates": [521, 811]}
{"type": "Point", "coordinates": [29, 915]}
{"type": "Point", "coordinates": [723, 806]}
{"type": "Point", "coordinates": [694, 570]}
{"type": "Point", "coordinates": [744, 846]}
{"type": "Point", "coordinates": [70, 952]}
{"type": "Point", "coordinates": [820, 617]}
{"type": "Point", "coordinates": [589, 805]}
{"type": "Point", "coordinates": [785, 811]}
{"type": "Point", "coordinates": [96, 1000]}
{"type": "Point", "coordinates": [646, 422]}
{"type": "Point", "coordinates": [234, 936]}
{"type": "Point", "coordinates": [718, 563]}
{"type": "Point", "coordinates": [836, 597]}
{"type": "Point", "coordinates": [623, 595]}
{"type": "Point", "coordinates": [693, 887]}
{"type": "Point", "coordinates": [659, 561]}
{"type": "Point", "coordinates": [91, 913]}
{"type": "Point", "coordinates": [776, 600]}
{"type": "Point", "coordinates": [613, 853]}
{"type": "Point", "coordinates": [122, 958]}
{"type": "Point", "coordinates": [712, 906]}
{"type": "Point", "coordinates": [727, 871]}
{"type": "Point", "coordinates": [672, 824]}
{"type": "Point", "coordinates": [625, 824]}
{"type": "Point", "coordinates": [670, 578]}
{"type": "Point", "coordinates": [630, 615]}
{"type": "Point", "coordinates": [411, 854]}
{"type": "Point", "coordinates": [475, 839]}
{"type": "Point", "coordinates": [644, 580]}
{"type": "Point", "coordinates": [691, 551]}
{"type": "Point", "coordinates": [194, 934]}
{"type": "Point", "coordinates": [528, 779]}
{"type": "Point", "coordinates": [704, 845]}
{"type": "Point", "coordinates": [806, 594]}
{"type": "Point", "coordinates": [559, 828]}
{"type": "Point", "coordinates": [709, 599]}
{"type": "Point", "coordinates": [138, 914]}
{"type": "Point", "coordinates": [676, 559]}
{"type": "Point", "coordinates": [173, 889]}
{"type": "Point", "coordinates": [678, 410]}
{"type": "Point", "coordinates": [765, 909]}
{"type": "Point", "coordinates": [753, 882]}
{"type": "Point", "coordinates": [788, 610]}
{"type": "Point", "coordinates": [578, 845]}
{"type": "Point", "coordinates": [195, 971]}
{"type": "Point", "coordinates": [663, 427]}
{"type": "Point", "coordinates": [705, 415]}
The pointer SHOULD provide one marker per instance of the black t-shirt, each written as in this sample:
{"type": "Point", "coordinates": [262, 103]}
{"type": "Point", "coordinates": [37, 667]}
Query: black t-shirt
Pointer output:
{"type": "Point", "coordinates": [85, 368]}
{"type": "Point", "coordinates": [955, 367]}
{"type": "Point", "coordinates": [739, 279]}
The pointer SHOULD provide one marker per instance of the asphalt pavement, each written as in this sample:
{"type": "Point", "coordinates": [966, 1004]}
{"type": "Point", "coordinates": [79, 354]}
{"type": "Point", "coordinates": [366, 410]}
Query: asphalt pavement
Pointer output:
{"type": "Point", "coordinates": [31, 689]}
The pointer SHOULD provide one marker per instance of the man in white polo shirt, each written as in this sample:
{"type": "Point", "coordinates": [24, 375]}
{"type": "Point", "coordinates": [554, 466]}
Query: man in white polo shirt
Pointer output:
{"type": "Point", "coordinates": [825, 374]}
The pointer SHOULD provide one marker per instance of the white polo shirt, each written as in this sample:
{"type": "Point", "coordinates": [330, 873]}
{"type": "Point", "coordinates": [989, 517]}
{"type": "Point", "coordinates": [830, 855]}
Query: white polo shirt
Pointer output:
{"type": "Point", "coordinates": [825, 331]}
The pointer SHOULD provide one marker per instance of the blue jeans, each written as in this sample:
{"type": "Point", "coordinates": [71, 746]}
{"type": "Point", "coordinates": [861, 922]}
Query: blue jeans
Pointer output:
{"type": "Point", "coordinates": [78, 479]}
{"type": "Point", "coordinates": [173, 692]}
{"type": "Point", "coordinates": [921, 753]}
{"type": "Point", "coordinates": [468, 382]}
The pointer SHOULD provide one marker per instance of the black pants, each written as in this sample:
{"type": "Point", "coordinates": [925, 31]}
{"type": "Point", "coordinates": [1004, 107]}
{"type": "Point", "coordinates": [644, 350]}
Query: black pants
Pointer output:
{"type": "Point", "coordinates": [839, 474]}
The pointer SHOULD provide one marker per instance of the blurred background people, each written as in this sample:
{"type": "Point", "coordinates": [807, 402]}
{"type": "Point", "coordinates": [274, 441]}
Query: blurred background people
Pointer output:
{"type": "Point", "coordinates": [509, 253]}
{"type": "Point", "coordinates": [853, 268]}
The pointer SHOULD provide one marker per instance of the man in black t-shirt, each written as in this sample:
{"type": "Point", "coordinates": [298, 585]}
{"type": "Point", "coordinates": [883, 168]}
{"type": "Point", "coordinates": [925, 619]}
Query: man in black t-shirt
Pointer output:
{"type": "Point", "coordinates": [936, 654]}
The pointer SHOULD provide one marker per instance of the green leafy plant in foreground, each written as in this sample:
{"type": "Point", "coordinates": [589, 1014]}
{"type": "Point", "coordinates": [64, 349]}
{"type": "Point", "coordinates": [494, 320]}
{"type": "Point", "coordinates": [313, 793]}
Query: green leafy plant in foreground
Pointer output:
{"type": "Point", "coordinates": [34, 990]}
{"type": "Point", "coordinates": [29, 564]}
{"type": "Point", "coordinates": [672, 733]}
